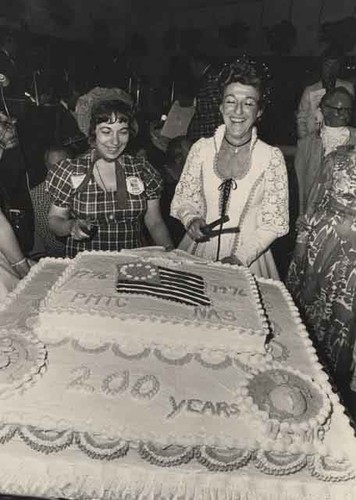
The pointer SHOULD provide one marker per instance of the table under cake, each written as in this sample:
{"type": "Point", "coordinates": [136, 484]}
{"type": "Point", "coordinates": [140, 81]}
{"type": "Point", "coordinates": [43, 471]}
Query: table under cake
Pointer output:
{"type": "Point", "coordinates": [40, 460]}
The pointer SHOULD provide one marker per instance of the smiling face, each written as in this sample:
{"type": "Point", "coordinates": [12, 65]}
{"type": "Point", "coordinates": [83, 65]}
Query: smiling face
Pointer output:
{"type": "Point", "coordinates": [337, 109]}
{"type": "Point", "coordinates": [112, 138]}
{"type": "Point", "coordinates": [240, 110]}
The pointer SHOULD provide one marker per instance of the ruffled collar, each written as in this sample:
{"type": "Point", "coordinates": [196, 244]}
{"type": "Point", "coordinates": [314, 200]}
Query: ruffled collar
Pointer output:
{"type": "Point", "coordinates": [220, 132]}
{"type": "Point", "coordinates": [333, 137]}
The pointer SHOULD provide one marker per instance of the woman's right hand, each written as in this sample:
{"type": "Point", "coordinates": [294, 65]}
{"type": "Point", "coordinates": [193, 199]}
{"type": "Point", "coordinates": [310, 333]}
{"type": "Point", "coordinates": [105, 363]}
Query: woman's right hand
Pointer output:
{"type": "Point", "coordinates": [194, 229]}
{"type": "Point", "coordinates": [80, 230]}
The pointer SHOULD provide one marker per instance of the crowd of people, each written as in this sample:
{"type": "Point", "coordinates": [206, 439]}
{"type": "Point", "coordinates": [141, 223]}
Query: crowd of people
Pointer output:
{"type": "Point", "coordinates": [212, 187]}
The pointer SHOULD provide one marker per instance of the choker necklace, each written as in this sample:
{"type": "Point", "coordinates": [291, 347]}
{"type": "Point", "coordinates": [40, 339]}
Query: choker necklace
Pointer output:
{"type": "Point", "coordinates": [236, 146]}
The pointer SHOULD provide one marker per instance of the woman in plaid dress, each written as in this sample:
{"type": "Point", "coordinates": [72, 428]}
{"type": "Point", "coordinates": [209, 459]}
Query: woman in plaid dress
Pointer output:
{"type": "Point", "coordinates": [103, 199]}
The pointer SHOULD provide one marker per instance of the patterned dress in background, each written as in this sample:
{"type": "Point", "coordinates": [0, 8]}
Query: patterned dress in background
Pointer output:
{"type": "Point", "coordinates": [322, 275]}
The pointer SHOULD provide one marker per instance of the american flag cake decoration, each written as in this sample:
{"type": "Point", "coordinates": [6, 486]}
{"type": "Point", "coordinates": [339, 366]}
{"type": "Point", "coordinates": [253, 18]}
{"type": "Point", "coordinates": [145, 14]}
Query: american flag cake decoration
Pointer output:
{"type": "Point", "coordinates": [142, 278]}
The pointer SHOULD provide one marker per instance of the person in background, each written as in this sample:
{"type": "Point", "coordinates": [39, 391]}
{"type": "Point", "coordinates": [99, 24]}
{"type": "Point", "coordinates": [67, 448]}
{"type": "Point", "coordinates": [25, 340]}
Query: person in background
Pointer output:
{"type": "Point", "coordinates": [41, 202]}
{"type": "Point", "coordinates": [102, 199]}
{"type": "Point", "coordinates": [52, 122]}
{"type": "Point", "coordinates": [207, 115]}
{"type": "Point", "coordinates": [309, 118]}
{"type": "Point", "coordinates": [67, 131]}
{"type": "Point", "coordinates": [237, 175]}
{"type": "Point", "coordinates": [322, 274]}
{"type": "Point", "coordinates": [336, 109]}
{"type": "Point", "coordinates": [13, 264]}
{"type": "Point", "coordinates": [8, 65]}
{"type": "Point", "coordinates": [176, 155]}
{"type": "Point", "coordinates": [14, 193]}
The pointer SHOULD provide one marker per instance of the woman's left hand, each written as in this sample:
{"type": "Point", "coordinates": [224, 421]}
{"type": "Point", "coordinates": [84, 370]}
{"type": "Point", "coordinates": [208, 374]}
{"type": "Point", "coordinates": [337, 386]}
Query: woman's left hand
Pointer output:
{"type": "Point", "coordinates": [233, 260]}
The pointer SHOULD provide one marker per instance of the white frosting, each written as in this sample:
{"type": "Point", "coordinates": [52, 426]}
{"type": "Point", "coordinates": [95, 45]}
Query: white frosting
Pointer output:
{"type": "Point", "coordinates": [22, 360]}
{"type": "Point", "coordinates": [107, 398]}
{"type": "Point", "coordinates": [85, 305]}
{"type": "Point", "coordinates": [112, 362]}
{"type": "Point", "coordinates": [293, 407]}
{"type": "Point", "coordinates": [148, 399]}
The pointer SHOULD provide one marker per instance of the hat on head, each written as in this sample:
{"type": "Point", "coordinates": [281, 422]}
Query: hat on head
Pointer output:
{"type": "Point", "coordinates": [86, 102]}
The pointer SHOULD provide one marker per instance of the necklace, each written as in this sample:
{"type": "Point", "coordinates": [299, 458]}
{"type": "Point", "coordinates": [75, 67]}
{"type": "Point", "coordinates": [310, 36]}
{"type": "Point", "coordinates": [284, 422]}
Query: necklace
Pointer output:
{"type": "Point", "coordinates": [236, 146]}
{"type": "Point", "coordinates": [228, 165]}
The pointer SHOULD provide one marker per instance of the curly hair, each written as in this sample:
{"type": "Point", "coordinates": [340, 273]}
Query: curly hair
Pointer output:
{"type": "Point", "coordinates": [247, 72]}
{"type": "Point", "coordinates": [111, 111]}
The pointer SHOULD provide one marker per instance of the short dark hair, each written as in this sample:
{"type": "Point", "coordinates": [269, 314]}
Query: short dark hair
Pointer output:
{"type": "Point", "coordinates": [111, 111]}
{"type": "Point", "coordinates": [246, 72]}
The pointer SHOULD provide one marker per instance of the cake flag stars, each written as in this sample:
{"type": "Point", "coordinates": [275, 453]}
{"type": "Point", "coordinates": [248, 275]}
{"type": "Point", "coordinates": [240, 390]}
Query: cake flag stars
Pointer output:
{"type": "Point", "coordinates": [142, 278]}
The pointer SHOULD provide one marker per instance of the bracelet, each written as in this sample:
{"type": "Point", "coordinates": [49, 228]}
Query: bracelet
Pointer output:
{"type": "Point", "coordinates": [19, 262]}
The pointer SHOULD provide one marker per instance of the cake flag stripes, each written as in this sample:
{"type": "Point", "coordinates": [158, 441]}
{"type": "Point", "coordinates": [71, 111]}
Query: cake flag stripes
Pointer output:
{"type": "Point", "coordinates": [161, 282]}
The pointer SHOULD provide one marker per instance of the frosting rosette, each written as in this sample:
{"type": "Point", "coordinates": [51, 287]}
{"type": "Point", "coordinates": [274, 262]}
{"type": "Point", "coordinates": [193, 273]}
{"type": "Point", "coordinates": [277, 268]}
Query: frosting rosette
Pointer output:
{"type": "Point", "coordinates": [295, 410]}
{"type": "Point", "coordinates": [22, 358]}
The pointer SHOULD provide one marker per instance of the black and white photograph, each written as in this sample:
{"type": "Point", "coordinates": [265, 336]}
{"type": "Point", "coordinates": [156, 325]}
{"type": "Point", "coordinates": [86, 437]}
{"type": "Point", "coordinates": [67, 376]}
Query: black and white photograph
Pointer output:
{"type": "Point", "coordinates": [177, 250]}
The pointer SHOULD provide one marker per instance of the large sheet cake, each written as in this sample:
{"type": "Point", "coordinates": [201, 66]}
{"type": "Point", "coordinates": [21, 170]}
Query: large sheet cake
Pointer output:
{"type": "Point", "coordinates": [113, 419]}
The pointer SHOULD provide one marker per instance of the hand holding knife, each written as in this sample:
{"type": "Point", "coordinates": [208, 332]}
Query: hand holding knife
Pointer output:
{"type": "Point", "coordinates": [209, 231]}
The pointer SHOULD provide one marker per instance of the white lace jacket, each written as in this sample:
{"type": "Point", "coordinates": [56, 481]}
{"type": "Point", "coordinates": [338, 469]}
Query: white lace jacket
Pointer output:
{"type": "Point", "coordinates": [259, 205]}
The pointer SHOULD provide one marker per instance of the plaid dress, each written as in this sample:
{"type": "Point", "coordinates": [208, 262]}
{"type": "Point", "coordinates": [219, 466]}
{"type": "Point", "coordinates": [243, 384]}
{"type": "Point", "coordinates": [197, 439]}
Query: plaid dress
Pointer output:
{"type": "Point", "coordinates": [119, 215]}
{"type": "Point", "coordinates": [41, 203]}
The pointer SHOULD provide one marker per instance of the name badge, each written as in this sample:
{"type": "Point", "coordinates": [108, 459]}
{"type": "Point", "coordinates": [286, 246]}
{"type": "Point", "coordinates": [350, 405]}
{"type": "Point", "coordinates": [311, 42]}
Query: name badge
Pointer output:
{"type": "Point", "coordinates": [135, 185]}
{"type": "Point", "coordinates": [76, 180]}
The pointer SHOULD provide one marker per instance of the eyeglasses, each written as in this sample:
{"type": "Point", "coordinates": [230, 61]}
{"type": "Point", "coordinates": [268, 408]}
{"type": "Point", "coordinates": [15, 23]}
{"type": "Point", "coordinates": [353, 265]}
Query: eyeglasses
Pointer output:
{"type": "Point", "coordinates": [339, 110]}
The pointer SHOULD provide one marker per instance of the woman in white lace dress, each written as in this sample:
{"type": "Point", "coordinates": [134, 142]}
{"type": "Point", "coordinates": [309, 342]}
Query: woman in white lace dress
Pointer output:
{"type": "Point", "coordinates": [235, 174]}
